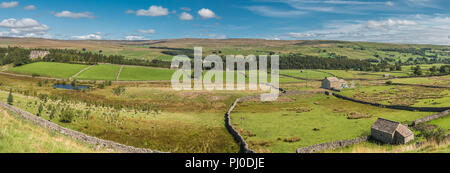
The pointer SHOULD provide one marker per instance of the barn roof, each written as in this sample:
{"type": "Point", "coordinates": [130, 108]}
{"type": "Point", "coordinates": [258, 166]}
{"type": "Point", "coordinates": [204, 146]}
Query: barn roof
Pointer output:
{"type": "Point", "coordinates": [385, 125]}
{"type": "Point", "coordinates": [404, 131]}
{"type": "Point", "coordinates": [332, 79]}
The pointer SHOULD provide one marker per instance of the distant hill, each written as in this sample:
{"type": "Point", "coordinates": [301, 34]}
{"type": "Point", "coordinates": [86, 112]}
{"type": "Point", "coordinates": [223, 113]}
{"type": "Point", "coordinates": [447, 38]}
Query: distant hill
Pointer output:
{"type": "Point", "coordinates": [164, 49]}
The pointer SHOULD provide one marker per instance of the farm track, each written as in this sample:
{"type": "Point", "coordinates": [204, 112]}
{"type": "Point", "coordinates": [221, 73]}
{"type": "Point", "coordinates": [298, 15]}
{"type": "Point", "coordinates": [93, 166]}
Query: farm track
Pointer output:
{"type": "Point", "coordinates": [76, 75]}
{"type": "Point", "coordinates": [118, 73]}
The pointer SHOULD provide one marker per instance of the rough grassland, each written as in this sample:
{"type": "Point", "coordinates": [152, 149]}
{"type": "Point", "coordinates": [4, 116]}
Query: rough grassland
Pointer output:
{"type": "Point", "coordinates": [101, 72]}
{"type": "Point", "coordinates": [308, 74]}
{"type": "Point", "coordinates": [19, 136]}
{"type": "Point", "coordinates": [133, 73]}
{"type": "Point", "coordinates": [49, 69]}
{"type": "Point", "coordinates": [312, 119]}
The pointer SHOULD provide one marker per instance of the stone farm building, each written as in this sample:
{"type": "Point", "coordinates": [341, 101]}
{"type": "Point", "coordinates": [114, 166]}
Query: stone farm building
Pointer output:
{"type": "Point", "coordinates": [391, 132]}
{"type": "Point", "coordinates": [35, 54]}
{"type": "Point", "coordinates": [334, 83]}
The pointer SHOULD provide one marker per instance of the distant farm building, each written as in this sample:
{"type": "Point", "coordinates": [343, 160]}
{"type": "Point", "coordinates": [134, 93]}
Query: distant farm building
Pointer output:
{"type": "Point", "coordinates": [386, 75]}
{"type": "Point", "coordinates": [391, 132]}
{"type": "Point", "coordinates": [35, 54]}
{"type": "Point", "coordinates": [174, 66]}
{"type": "Point", "coordinates": [334, 83]}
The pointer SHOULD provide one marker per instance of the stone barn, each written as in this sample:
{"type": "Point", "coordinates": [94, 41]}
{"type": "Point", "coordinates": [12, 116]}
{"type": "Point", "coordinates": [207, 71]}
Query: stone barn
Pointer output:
{"type": "Point", "coordinates": [391, 132]}
{"type": "Point", "coordinates": [174, 66]}
{"type": "Point", "coordinates": [35, 54]}
{"type": "Point", "coordinates": [334, 83]}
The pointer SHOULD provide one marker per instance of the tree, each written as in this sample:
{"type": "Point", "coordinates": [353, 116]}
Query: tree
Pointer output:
{"type": "Point", "coordinates": [40, 110]}
{"type": "Point", "coordinates": [10, 99]}
{"type": "Point", "coordinates": [433, 69]}
{"type": "Point", "coordinates": [418, 71]}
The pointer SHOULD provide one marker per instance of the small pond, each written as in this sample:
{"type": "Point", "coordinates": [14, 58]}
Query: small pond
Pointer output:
{"type": "Point", "coordinates": [71, 87]}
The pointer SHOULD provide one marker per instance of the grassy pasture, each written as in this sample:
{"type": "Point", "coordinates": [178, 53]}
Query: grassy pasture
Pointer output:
{"type": "Point", "coordinates": [166, 131]}
{"type": "Point", "coordinates": [134, 73]}
{"type": "Point", "coordinates": [100, 72]}
{"type": "Point", "coordinates": [308, 74]}
{"type": "Point", "coordinates": [20, 136]}
{"type": "Point", "coordinates": [401, 95]}
{"type": "Point", "coordinates": [49, 69]}
{"type": "Point", "coordinates": [312, 119]}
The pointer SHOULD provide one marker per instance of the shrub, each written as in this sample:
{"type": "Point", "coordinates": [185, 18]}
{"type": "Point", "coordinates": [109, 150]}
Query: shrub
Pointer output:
{"type": "Point", "coordinates": [66, 115]}
{"type": "Point", "coordinates": [389, 83]}
{"type": "Point", "coordinates": [437, 134]}
{"type": "Point", "coordinates": [10, 99]}
{"type": "Point", "coordinates": [118, 90]}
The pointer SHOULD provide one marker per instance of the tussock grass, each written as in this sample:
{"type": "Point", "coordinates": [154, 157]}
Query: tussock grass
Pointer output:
{"type": "Point", "coordinates": [20, 136]}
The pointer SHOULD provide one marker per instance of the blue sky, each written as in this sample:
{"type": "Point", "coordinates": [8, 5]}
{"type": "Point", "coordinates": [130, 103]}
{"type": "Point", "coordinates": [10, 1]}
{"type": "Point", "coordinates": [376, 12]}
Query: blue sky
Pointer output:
{"type": "Point", "coordinates": [397, 21]}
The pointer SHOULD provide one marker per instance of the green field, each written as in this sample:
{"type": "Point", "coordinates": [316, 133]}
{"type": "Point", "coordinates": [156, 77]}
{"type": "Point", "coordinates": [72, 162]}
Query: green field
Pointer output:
{"type": "Point", "coordinates": [401, 95]}
{"type": "Point", "coordinates": [266, 125]}
{"type": "Point", "coordinates": [49, 69]}
{"type": "Point", "coordinates": [20, 136]}
{"type": "Point", "coordinates": [100, 72]}
{"type": "Point", "coordinates": [134, 73]}
{"type": "Point", "coordinates": [307, 74]}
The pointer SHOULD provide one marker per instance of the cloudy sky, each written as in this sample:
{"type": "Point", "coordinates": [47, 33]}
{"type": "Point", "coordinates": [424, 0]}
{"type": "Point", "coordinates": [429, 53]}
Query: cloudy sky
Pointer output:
{"type": "Point", "coordinates": [397, 21]}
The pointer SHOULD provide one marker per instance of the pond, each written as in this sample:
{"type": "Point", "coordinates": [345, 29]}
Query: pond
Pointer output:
{"type": "Point", "coordinates": [71, 87]}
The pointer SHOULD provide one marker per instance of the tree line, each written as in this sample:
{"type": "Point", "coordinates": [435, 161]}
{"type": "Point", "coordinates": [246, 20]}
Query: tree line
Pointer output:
{"type": "Point", "coordinates": [20, 56]}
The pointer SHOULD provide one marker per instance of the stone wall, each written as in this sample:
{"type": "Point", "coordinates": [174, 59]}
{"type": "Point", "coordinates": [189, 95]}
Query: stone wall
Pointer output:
{"type": "Point", "coordinates": [419, 85]}
{"type": "Point", "coordinates": [431, 117]}
{"type": "Point", "coordinates": [331, 145]}
{"type": "Point", "coordinates": [407, 108]}
{"type": "Point", "coordinates": [239, 139]}
{"type": "Point", "coordinates": [74, 134]}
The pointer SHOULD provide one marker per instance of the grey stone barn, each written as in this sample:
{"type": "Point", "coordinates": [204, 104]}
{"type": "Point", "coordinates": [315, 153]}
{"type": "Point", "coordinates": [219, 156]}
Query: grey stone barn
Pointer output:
{"type": "Point", "coordinates": [334, 83]}
{"type": "Point", "coordinates": [391, 132]}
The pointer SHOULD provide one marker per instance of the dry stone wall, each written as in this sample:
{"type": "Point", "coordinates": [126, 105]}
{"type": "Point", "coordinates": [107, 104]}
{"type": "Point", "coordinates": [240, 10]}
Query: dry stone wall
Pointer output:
{"type": "Point", "coordinates": [431, 117]}
{"type": "Point", "coordinates": [74, 134]}
{"type": "Point", "coordinates": [331, 145]}
{"type": "Point", "coordinates": [407, 108]}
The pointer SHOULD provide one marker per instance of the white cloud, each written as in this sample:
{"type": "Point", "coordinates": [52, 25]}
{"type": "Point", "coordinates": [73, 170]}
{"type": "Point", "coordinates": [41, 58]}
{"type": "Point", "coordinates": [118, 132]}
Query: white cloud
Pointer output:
{"type": "Point", "coordinates": [134, 37]}
{"type": "Point", "coordinates": [186, 16]}
{"type": "Point", "coordinates": [130, 12]}
{"type": "Point", "coordinates": [11, 4]}
{"type": "Point", "coordinates": [74, 15]}
{"type": "Point", "coordinates": [153, 11]}
{"type": "Point", "coordinates": [389, 3]}
{"type": "Point", "coordinates": [416, 29]}
{"type": "Point", "coordinates": [206, 13]}
{"type": "Point", "coordinates": [25, 27]}
{"type": "Point", "coordinates": [150, 31]}
{"type": "Point", "coordinates": [94, 36]}
{"type": "Point", "coordinates": [271, 12]}
{"type": "Point", "coordinates": [388, 24]}
{"type": "Point", "coordinates": [30, 7]}
{"type": "Point", "coordinates": [185, 8]}
{"type": "Point", "coordinates": [217, 36]}
{"type": "Point", "coordinates": [301, 35]}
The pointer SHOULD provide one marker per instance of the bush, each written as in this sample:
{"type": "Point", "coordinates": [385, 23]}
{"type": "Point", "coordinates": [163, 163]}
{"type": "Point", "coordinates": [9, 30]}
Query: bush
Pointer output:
{"type": "Point", "coordinates": [118, 90]}
{"type": "Point", "coordinates": [66, 115]}
{"type": "Point", "coordinates": [10, 99]}
{"type": "Point", "coordinates": [389, 83]}
{"type": "Point", "coordinates": [437, 134]}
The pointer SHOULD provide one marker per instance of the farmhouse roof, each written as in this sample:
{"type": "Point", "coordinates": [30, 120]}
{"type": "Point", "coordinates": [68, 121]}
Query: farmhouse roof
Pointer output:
{"type": "Point", "coordinates": [385, 125]}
